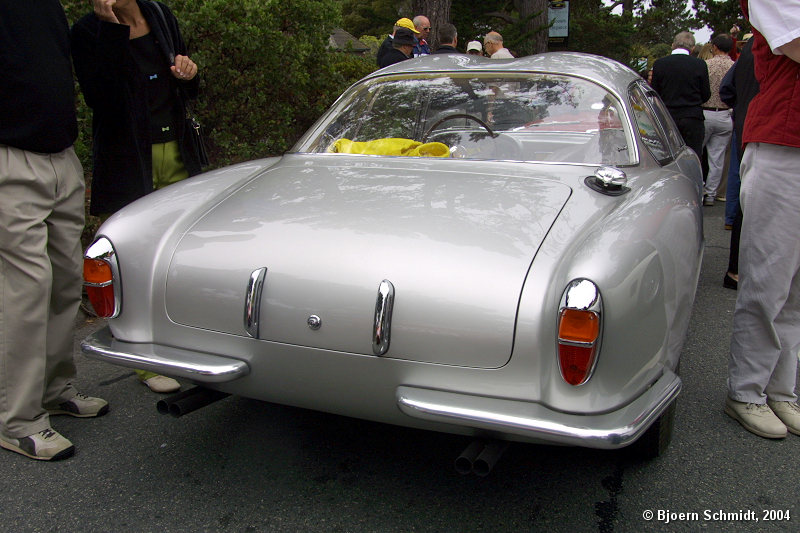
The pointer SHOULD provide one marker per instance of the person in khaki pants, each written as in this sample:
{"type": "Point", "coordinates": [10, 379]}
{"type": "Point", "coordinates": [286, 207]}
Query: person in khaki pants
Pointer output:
{"type": "Point", "coordinates": [41, 220]}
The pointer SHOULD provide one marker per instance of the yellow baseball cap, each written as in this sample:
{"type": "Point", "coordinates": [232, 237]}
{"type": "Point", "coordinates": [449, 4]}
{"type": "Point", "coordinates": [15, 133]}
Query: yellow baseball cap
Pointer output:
{"type": "Point", "coordinates": [406, 23]}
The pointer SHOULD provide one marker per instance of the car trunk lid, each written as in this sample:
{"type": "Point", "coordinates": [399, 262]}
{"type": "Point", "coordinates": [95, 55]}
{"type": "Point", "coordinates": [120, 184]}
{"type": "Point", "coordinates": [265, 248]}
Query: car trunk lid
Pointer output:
{"type": "Point", "coordinates": [455, 239]}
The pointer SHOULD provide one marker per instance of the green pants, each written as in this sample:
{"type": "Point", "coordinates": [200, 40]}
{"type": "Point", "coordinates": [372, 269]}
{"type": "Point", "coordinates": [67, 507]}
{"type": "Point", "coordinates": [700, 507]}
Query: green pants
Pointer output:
{"type": "Point", "coordinates": [167, 165]}
{"type": "Point", "coordinates": [144, 375]}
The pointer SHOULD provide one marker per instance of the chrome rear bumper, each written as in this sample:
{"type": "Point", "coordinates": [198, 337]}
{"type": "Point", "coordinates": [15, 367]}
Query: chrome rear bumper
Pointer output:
{"type": "Point", "coordinates": [534, 421]}
{"type": "Point", "coordinates": [528, 420]}
{"type": "Point", "coordinates": [198, 367]}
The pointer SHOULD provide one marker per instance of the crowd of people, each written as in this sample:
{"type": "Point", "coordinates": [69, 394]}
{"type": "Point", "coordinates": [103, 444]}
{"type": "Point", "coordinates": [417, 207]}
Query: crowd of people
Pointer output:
{"type": "Point", "coordinates": [409, 38]}
{"type": "Point", "coordinates": [136, 75]}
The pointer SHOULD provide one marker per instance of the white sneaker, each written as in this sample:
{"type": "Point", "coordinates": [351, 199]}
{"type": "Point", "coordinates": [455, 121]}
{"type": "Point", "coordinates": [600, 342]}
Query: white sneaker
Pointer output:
{"type": "Point", "coordinates": [47, 445]}
{"type": "Point", "coordinates": [756, 418]}
{"type": "Point", "coordinates": [162, 384]}
{"type": "Point", "coordinates": [81, 406]}
{"type": "Point", "coordinates": [789, 413]}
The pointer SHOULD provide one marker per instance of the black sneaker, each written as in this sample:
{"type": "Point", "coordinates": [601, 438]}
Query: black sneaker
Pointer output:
{"type": "Point", "coordinates": [81, 406]}
{"type": "Point", "coordinates": [47, 445]}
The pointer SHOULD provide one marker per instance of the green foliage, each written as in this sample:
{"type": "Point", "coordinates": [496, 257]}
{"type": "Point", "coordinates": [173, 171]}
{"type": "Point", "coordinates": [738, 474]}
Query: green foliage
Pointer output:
{"type": "Point", "coordinates": [373, 17]}
{"type": "Point", "coordinates": [720, 15]}
{"type": "Point", "coordinates": [265, 72]}
{"type": "Point", "coordinates": [662, 21]}
{"type": "Point", "coordinates": [595, 30]}
{"type": "Point", "coordinates": [373, 43]}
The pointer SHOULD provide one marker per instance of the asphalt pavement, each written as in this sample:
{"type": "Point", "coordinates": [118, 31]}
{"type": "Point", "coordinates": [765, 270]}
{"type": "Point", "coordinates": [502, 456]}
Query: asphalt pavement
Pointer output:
{"type": "Point", "coordinates": [244, 465]}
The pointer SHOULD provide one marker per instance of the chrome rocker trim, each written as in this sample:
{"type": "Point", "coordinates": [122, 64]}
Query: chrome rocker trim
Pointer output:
{"type": "Point", "coordinates": [606, 431]}
{"type": "Point", "coordinates": [196, 366]}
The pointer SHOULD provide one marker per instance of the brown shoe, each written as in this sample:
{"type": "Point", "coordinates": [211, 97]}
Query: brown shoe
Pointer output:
{"type": "Point", "coordinates": [756, 418]}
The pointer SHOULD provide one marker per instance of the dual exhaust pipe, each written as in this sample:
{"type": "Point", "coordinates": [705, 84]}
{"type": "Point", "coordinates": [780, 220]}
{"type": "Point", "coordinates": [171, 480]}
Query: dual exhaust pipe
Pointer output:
{"type": "Point", "coordinates": [480, 457]}
{"type": "Point", "coordinates": [189, 400]}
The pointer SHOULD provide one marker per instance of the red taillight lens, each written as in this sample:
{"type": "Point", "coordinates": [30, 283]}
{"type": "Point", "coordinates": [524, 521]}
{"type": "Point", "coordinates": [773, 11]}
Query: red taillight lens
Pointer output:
{"type": "Point", "coordinates": [98, 280]}
{"type": "Point", "coordinates": [576, 362]}
{"type": "Point", "coordinates": [578, 331]}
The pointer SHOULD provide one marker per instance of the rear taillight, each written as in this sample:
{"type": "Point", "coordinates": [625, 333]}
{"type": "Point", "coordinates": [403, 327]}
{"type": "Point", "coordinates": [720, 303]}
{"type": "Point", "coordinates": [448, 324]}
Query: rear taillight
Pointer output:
{"type": "Point", "coordinates": [101, 278]}
{"type": "Point", "coordinates": [579, 329]}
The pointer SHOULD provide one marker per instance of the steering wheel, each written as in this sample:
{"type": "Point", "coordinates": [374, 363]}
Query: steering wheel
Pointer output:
{"type": "Point", "coordinates": [459, 115]}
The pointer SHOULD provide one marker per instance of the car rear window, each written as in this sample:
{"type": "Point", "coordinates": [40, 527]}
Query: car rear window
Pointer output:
{"type": "Point", "coordinates": [525, 117]}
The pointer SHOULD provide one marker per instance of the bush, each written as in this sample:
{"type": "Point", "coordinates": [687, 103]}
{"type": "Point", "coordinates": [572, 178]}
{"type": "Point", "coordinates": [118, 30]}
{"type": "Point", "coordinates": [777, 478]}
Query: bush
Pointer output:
{"type": "Point", "coordinates": [266, 74]}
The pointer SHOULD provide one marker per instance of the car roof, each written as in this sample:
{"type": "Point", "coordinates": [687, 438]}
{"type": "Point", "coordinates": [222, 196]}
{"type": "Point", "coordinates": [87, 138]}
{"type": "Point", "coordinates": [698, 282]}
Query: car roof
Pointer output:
{"type": "Point", "coordinates": [601, 69]}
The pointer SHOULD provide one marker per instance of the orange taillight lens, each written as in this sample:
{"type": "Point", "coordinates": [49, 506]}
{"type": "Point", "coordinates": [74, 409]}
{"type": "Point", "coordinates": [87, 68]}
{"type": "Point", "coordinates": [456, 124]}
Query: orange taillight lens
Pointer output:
{"type": "Point", "coordinates": [96, 272]}
{"type": "Point", "coordinates": [578, 326]}
{"type": "Point", "coordinates": [98, 279]}
{"type": "Point", "coordinates": [578, 331]}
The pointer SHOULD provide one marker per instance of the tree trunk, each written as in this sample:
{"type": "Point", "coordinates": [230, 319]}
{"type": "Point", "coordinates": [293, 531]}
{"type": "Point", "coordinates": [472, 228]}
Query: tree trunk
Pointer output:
{"type": "Point", "coordinates": [438, 12]}
{"type": "Point", "coordinates": [534, 12]}
{"type": "Point", "coordinates": [627, 6]}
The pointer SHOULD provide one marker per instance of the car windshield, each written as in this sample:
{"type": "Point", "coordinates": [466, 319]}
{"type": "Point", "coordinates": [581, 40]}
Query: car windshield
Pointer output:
{"type": "Point", "coordinates": [520, 116]}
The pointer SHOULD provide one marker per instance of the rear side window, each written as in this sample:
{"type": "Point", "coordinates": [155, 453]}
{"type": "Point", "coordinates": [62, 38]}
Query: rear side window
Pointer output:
{"type": "Point", "coordinates": [648, 126]}
{"type": "Point", "coordinates": [662, 114]}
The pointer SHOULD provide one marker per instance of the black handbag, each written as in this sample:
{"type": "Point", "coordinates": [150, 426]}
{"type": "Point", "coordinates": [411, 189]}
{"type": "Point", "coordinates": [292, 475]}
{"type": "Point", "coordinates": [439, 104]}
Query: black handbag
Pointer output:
{"type": "Point", "coordinates": [195, 132]}
{"type": "Point", "coordinates": [193, 128]}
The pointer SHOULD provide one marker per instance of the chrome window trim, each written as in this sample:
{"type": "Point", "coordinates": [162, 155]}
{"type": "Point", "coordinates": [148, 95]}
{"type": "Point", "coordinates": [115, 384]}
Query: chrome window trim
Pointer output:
{"type": "Point", "coordinates": [646, 90]}
{"type": "Point", "coordinates": [104, 284]}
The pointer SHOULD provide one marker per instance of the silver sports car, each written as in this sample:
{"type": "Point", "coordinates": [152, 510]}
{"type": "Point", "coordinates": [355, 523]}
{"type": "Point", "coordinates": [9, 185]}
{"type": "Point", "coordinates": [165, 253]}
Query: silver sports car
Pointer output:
{"type": "Point", "coordinates": [507, 249]}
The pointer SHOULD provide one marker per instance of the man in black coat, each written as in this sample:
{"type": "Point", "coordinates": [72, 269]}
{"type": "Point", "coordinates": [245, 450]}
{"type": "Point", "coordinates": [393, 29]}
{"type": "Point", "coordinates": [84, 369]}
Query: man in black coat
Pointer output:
{"type": "Point", "coordinates": [448, 40]}
{"type": "Point", "coordinates": [402, 48]}
{"type": "Point", "coordinates": [682, 82]}
{"type": "Point", "coordinates": [386, 45]}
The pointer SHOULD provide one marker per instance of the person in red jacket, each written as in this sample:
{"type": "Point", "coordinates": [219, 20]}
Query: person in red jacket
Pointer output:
{"type": "Point", "coordinates": [762, 368]}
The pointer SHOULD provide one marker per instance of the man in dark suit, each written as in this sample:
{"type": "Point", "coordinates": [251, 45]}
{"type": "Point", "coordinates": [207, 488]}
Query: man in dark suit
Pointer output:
{"type": "Point", "coordinates": [682, 82]}
{"type": "Point", "coordinates": [448, 40]}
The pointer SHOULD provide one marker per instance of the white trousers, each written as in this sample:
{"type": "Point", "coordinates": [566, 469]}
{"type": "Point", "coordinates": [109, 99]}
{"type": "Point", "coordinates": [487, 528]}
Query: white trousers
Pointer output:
{"type": "Point", "coordinates": [766, 321]}
{"type": "Point", "coordinates": [719, 128]}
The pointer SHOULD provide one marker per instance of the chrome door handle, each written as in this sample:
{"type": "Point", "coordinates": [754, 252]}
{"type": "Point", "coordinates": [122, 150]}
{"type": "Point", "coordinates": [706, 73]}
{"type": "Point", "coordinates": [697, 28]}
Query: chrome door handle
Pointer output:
{"type": "Point", "coordinates": [252, 301]}
{"type": "Point", "coordinates": [383, 318]}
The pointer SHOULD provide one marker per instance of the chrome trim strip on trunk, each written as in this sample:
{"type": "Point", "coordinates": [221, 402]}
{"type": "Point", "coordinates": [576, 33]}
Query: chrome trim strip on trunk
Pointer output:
{"type": "Point", "coordinates": [382, 325]}
{"type": "Point", "coordinates": [252, 301]}
{"type": "Point", "coordinates": [606, 431]}
{"type": "Point", "coordinates": [197, 366]}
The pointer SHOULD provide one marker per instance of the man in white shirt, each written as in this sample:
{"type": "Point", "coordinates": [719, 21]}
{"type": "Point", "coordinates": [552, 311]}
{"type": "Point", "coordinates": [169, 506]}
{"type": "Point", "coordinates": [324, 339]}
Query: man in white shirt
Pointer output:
{"type": "Point", "coordinates": [493, 44]}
